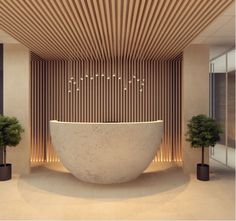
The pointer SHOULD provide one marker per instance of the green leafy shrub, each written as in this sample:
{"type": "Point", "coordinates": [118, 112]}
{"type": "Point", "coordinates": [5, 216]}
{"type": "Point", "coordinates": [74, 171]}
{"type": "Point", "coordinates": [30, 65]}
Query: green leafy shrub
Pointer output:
{"type": "Point", "coordinates": [203, 132]}
{"type": "Point", "coordinates": [10, 133]}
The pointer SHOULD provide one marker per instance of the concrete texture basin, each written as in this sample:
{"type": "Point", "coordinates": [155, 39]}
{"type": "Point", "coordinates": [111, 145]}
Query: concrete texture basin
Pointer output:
{"type": "Point", "coordinates": [106, 152]}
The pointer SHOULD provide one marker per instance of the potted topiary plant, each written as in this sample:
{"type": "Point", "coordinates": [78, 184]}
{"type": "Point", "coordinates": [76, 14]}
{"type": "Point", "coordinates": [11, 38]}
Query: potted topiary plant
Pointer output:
{"type": "Point", "coordinates": [10, 135]}
{"type": "Point", "coordinates": [203, 132]}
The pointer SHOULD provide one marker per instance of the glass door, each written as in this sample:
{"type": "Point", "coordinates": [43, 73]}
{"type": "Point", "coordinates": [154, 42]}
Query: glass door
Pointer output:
{"type": "Point", "coordinates": [222, 106]}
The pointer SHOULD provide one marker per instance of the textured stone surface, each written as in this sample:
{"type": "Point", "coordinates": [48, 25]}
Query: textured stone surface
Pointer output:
{"type": "Point", "coordinates": [106, 152]}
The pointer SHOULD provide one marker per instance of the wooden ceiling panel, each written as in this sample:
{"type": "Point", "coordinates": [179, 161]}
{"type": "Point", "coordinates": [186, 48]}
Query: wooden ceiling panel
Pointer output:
{"type": "Point", "coordinates": [107, 29]}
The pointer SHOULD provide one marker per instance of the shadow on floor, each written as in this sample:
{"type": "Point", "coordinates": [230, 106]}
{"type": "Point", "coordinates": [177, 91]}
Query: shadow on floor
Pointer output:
{"type": "Point", "coordinates": [63, 183]}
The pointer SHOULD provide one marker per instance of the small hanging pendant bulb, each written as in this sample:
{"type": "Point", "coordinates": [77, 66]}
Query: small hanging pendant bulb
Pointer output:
{"type": "Point", "coordinates": [103, 75]}
{"type": "Point", "coordinates": [119, 78]}
{"type": "Point", "coordinates": [69, 91]}
{"type": "Point", "coordinates": [91, 78]}
{"type": "Point", "coordinates": [97, 75]}
{"type": "Point", "coordinates": [86, 76]}
{"type": "Point", "coordinates": [70, 81]}
{"type": "Point", "coordinates": [142, 84]}
{"type": "Point", "coordinates": [108, 78]}
{"type": "Point", "coordinates": [138, 79]}
{"type": "Point", "coordinates": [77, 89]}
{"type": "Point", "coordinates": [113, 75]}
{"type": "Point", "coordinates": [125, 89]}
{"type": "Point", "coordinates": [71, 78]}
{"type": "Point", "coordinates": [134, 76]}
{"type": "Point", "coordinates": [81, 79]}
{"type": "Point", "coordinates": [130, 82]}
{"type": "Point", "coordinates": [141, 90]}
{"type": "Point", "coordinates": [74, 82]}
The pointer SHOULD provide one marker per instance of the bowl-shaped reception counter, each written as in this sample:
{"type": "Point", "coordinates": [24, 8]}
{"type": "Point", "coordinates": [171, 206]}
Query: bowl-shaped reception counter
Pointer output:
{"type": "Point", "coordinates": [106, 152]}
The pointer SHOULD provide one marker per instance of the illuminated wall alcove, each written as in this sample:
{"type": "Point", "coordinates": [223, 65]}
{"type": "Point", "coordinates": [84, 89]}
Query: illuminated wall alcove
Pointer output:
{"type": "Point", "coordinates": [116, 90]}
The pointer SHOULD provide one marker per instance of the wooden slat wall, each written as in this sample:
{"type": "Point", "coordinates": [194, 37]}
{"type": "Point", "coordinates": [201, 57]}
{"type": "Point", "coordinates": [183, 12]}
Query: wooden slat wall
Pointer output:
{"type": "Point", "coordinates": [103, 98]}
{"type": "Point", "coordinates": [93, 34]}
{"type": "Point", "coordinates": [38, 109]}
{"type": "Point", "coordinates": [98, 29]}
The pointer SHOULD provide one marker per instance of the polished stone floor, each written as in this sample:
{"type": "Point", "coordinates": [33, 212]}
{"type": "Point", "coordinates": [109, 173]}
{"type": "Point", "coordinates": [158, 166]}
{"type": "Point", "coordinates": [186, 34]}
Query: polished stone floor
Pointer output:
{"type": "Point", "coordinates": [163, 192]}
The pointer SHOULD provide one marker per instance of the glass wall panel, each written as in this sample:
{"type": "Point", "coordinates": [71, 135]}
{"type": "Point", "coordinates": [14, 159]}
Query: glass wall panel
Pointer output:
{"type": "Point", "coordinates": [231, 110]}
{"type": "Point", "coordinates": [222, 106]}
{"type": "Point", "coordinates": [231, 61]}
{"type": "Point", "coordinates": [219, 108]}
{"type": "Point", "coordinates": [219, 93]}
{"type": "Point", "coordinates": [219, 64]}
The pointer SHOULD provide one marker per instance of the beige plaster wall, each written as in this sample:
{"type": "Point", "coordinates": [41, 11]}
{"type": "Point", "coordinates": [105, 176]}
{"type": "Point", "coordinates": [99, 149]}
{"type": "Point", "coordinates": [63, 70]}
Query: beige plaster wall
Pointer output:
{"type": "Point", "coordinates": [195, 97]}
{"type": "Point", "coordinates": [17, 101]}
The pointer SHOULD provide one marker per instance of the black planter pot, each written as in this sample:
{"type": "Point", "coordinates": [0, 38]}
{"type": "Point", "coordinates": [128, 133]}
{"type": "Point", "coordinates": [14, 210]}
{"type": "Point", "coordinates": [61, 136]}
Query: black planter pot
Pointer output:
{"type": "Point", "coordinates": [203, 172]}
{"type": "Point", "coordinates": [5, 172]}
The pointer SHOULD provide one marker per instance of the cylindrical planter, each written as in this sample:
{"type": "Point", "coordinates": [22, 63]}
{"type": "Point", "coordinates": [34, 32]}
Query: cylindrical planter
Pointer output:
{"type": "Point", "coordinates": [203, 172]}
{"type": "Point", "coordinates": [5, 172]}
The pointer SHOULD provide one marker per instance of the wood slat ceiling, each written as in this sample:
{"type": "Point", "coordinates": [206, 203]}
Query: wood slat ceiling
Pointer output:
{"type": "Point", "coordinates": [107, 29]}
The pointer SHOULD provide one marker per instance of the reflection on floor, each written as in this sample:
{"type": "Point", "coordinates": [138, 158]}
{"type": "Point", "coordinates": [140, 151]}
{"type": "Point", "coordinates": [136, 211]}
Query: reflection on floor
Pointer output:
{"type": "Point", "coordinates": [162, 192]}
{"type": "Point", "coordinates": [219, 153]}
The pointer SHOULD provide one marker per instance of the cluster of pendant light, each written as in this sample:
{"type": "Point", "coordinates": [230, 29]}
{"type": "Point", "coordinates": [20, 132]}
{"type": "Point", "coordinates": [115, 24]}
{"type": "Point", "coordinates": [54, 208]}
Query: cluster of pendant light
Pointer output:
{"type": "Point", "coordinates": [72, 81]}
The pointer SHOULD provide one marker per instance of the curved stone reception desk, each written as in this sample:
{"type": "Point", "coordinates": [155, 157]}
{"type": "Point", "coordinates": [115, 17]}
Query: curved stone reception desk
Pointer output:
{"type": "Point", "coordinates": [106, 152]}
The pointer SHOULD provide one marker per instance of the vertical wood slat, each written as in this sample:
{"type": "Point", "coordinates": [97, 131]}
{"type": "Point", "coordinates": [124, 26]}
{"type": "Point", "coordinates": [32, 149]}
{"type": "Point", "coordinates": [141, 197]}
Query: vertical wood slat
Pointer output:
{"type": "Point", "coordinates": [98, 30]}
{"type": "Point", "coordinates": [102, 99]}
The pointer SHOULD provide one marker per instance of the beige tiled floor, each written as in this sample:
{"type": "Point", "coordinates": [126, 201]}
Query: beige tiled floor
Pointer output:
{"type": "Point", "coordinates": [163, 192]}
